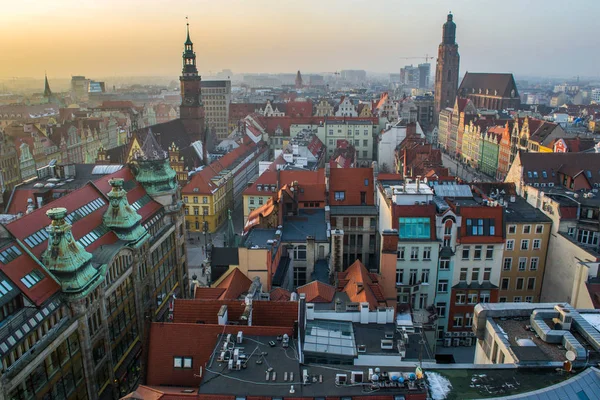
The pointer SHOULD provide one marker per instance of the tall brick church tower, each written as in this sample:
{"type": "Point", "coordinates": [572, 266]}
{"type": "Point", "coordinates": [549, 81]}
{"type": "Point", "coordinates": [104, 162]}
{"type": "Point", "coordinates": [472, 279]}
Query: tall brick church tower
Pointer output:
{"type": "Point", "coordinates": [191, 111]}
{"type": "Point", "coordinates": [446, 72]}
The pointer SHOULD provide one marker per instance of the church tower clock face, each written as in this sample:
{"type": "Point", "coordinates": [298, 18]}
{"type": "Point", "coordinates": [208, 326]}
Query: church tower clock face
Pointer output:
{"type": "Point", "coordinates": [188, 101]}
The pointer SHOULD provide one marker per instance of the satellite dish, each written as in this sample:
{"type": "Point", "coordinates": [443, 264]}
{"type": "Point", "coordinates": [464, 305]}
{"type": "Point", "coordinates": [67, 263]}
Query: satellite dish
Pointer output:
{"type": "Point", "coordinates": [571, 355]}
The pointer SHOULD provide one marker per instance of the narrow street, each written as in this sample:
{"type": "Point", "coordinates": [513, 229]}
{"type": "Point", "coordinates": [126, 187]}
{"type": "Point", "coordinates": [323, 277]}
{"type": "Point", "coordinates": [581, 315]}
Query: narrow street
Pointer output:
{"type": "Point", "coordinates": [196, 241]}
{"type": "Point", "coordinates": [463, 171]}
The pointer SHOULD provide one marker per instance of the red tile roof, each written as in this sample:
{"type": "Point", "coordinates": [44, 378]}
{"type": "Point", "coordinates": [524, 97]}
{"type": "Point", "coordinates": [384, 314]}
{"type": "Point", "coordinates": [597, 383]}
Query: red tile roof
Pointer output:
{"type": "Point", "coordinates": [203, 180]}
{"type": "Point", "coordinates": [206, 293]}
{"type": "Point", "coordinates": [270, 177]}
{"type": "Point", "coordinates": [280, 294]}
{"type": "Point", "coordinates": [235, 284]}
{"type": "Point", "coordinates": [361, 286]}
{"type": "Point", "coordinates": [23, 265]}
{"type": "Point", "coordinates": [264, 313]}
{"type": "Point", "coordinates": [317, 292]}
{"type": "Point", "coordinates": [352, 182]}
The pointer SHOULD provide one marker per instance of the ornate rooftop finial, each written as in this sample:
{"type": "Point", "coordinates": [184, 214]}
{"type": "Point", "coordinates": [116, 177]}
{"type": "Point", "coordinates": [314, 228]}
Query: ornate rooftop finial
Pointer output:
{"type": "Point", "coordinates": [120, 217]}
{"type": "Point", "coordinates": [68, 260]}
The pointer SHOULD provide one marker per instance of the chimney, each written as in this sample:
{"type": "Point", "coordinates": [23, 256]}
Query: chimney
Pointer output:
{"type": "Point", "coordinates": [418, 182]}
{"type": "Point", "coordinates": [389, 241]}
{"type": "Point", "coordinates": [222, 315]}
{"type": "Point", "coordinates": [30, 206]}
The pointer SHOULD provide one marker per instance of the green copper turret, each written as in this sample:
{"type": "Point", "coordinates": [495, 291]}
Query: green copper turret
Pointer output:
{"type": "Point", "coordinates": [67, 260]}
{"type": "Point", "coordinates": [121, 218]}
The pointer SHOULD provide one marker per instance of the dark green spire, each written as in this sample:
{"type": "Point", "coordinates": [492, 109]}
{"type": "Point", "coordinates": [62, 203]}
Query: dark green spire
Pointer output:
{"type": "Point", "coordinates": [187, 24]}
{"type": "Point", "coordinates": [47, 91]}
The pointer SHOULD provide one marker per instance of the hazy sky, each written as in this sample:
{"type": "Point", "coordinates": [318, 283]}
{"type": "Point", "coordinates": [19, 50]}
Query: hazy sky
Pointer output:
{"type": "Point", "coordinates": [145, 37]}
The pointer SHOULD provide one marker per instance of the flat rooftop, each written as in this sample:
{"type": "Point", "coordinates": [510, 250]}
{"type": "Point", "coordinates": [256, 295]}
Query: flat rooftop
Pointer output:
{"type": "Point", "coordinates": [521, 211]}
{"type": "Point", "coordinates": [272, 369]}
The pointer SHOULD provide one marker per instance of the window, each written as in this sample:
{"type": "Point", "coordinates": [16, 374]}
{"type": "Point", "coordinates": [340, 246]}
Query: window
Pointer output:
{"type": "Point", "coordinates": [446, 242]}
{"type": "Point", "coordinates": [442, 286]}
{"type": "Point", "coordinates": [536, 244]}
{"type": "Point", "coordinates": [414, 228]}
{"type": "Point", "coordinates": [539, 229]}
{"type": "Point", "coordinates": [414, 253]}
{"type": "Point", "coordinates": [517, 299]}
{"type": "Point", "coordinates": [458, 321]}
{"type": "Point", "coordinates": [529, 299]}
{"type": "Point", "coordinates": [571, 231]}
{"type": "Point", "coordinates": [425, 276]}
{"type": "Point", "coordinates": [32, 278]}
{"type": "Point", "coordinates": [441, 309]}
{"type": "Point", "coordinates": [475, 274]}
{"type": "Point", "coordinates": [507, 264]}
{"type": "Point", "coordinates": [444, 263]}
{"type": "Point", "coordinates": [465, 252]}
{"type": "Point", "coordinates": [196, 199]}
{"type": "Point", "coordinates": [520, 283]}
{"type": "Point", "coordinates": [530, 283]}
{"type": "Point", "coordinates": [365, 153]}
{"type": "Point", "coordinates": [489, 253]}
{"type": "Point", "coordinates": [525, 244]}
{"type": "Point", "coordinates": [412, 278]}
{"type": "Point", "coordinates": [427, 253]}
{"type": "Point", "coordinates": [502, 299]}
{"type": "Point", "coordinates": [399, 276]}
{"type": "Point", "coordinates": [340, 196]}
{"type": "Point", "coordinates": [448, 229]}
{"type": "Point", "coordinates": [468, 320]}
{"type": "Point", "coordinates": [522, 263]}
{"type": "Point", "coordinates": [512, 229]}
{"type": "Point", "coordinates": [205, 200]}
{"type": "Point", "coordinates": [510, 244]}
{"type": "Point", "coordinates": [484, 296]}
{"type": "Point", "coordinates": [460, 298]}
{"type": "Point", "coordinates": [196, 210]}
{"type": "Point", "coordinates": [401, 253]}
{"type": "Point", "coordinates": [473, 297]}
{"type": "Point", "coordinates": [177, 362]}
{"type": "Point", "coordinates": [477, 253]}
{"type": "Point", "coordinates": [526, 229]}
{"type": "Point", "coordinates": [300, 252]}
{"type": "Point", "coordinates": [505, 283]}
{"type": "Point", "coordinates": [260, 201]}
{"type": "Point", "coordinates": [463, 274]}
{"type": "Point", "coordinates": [587, 237]}
{"type": "Point", "coordinates": [487, 273]}
{"type": "Point", "coordinates": [533, 264]}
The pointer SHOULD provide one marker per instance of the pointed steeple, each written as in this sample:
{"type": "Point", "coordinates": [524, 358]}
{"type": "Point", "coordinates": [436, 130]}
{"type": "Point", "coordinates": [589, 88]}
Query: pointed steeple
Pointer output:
{"type": "Point", "coordinates": [68, 260]}
{"type": "Point", "coordinates": [47, 91]}
{"type": "Point", "coordinates": [298, 80]}
{"type": "Point", "coordinates": [121, 218]}
{"type": "Point", "coordinates": [189, 57]}
{"type": "Point", "coordinates": [188, 41]}
{"type": "Point", "coordinates": [151, 150]}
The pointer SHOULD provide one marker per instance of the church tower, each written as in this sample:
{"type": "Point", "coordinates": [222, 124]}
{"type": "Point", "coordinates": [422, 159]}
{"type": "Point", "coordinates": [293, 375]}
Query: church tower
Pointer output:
{"type": "Point", "coordinates": [446, 73]}
{"type": "Point", "coordinates": [191, 110]}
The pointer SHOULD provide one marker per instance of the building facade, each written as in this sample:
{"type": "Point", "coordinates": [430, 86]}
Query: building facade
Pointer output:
{"type": "Point", "coordinates": [93, 274]}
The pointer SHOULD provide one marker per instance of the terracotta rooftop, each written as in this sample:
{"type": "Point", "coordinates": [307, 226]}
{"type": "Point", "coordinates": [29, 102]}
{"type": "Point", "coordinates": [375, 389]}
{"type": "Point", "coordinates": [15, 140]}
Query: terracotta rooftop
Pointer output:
{"type": "Point", "coordinates": [317, 292]}
{"type": "Point", "coordinates": [361, 286]}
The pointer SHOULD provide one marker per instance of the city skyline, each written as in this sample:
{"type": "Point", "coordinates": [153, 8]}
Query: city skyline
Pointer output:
{"type": "Point", "coordinates": [62, 38]}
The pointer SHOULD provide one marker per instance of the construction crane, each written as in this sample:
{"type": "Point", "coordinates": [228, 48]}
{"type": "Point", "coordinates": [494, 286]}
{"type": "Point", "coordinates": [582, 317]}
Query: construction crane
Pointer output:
{"type": "Point", "coordinates": [427, 58]}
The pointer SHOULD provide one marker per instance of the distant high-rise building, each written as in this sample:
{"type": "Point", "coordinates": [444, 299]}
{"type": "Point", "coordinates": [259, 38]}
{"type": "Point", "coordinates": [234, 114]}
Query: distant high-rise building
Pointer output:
{"type": "Point", "coordinates": [424, 73]}
{"type": "Point", "coordinates": [216, 96]}
{"type": "Point", "coordinates": [446, 73]}
{"type": "Point", "coordinates": [79, 87]}
{"type": "Point", "coordinates": [354, 75]}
